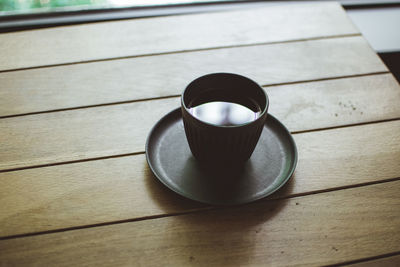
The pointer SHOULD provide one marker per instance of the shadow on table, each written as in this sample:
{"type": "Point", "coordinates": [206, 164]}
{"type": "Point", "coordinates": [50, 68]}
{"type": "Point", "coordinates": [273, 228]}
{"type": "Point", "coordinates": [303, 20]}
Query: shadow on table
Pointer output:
{"type": "Point", "coordinates": [221, 235]}
{"type": "Point", "coordinates": [166, 199]}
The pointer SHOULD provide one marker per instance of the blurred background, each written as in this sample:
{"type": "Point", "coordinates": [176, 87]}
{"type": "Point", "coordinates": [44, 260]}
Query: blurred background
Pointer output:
{"type": "Point", "coordinates": [378, 20]}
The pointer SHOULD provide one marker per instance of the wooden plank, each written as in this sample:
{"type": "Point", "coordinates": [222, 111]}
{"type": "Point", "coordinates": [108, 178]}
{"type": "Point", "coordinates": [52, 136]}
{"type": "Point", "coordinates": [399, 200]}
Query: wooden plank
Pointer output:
{"type": "Point", "coordinates": [120, 129]}
{"type": "Point", "coordinates": [88, 193]}
{"type": "Point", "coordinates": [384, 262]}
{"type": "Point", "coordinates": [305, 231]}
{"type": "Point", "coordinates": [175, 33]}
{"type": "Point", "coordinates": [336, 102]}
{"type": "Point", "coordinates": [164, 75]}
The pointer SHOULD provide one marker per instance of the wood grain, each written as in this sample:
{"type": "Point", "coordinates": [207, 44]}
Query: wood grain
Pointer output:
{"type": "Point", "coordinates": [167, 34]}
{"type": "Point", "coordinates": [94, 192]}
{"type": "Point", "coordinates": [164, 75]}
{"type": "Point", "coordinates": [79, 134]}
{"type": "Point", "coordinates": [336, 102]}
{"type": "Point", "coordinates": [307, 231]}
{"type": "Point", "coordinates": [120, 129]}
{"type": "Point", "coordinates": [316, 229]}
{"type": "Point", "coordinates": [384, 262]}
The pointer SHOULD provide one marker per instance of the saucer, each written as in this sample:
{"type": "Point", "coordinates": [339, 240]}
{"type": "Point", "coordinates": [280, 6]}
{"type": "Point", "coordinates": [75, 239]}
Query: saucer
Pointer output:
{"type": "Point", "coordinates": [269, 168]}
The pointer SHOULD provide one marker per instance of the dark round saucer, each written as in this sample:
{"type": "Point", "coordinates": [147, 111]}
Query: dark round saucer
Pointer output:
{"type": "Point", "coordinates": [269, 168]}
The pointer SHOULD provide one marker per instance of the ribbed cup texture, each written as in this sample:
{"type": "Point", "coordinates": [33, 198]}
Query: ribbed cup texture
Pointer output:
{"type": "Point", "coordinates": [213, 144]}
{"type": "Point", "coordinates": [223, 144]}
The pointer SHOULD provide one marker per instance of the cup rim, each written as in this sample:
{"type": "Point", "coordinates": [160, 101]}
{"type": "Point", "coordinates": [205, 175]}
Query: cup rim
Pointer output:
{"type": "Point", "coordinates": [260, 117]}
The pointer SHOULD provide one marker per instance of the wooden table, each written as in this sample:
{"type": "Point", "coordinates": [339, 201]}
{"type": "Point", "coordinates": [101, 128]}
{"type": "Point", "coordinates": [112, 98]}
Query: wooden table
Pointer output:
{"type": "Point", "coordinates": [77, 103]}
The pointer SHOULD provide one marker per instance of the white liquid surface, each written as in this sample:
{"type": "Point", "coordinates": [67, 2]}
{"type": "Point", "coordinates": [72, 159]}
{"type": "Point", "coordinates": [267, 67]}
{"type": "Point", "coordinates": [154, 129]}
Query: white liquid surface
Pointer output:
{"type": "Point", "coordinates": [224, 113]}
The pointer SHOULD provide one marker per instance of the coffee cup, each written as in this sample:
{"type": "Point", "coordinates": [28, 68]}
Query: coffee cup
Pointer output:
{"type": "Point", "coordinates": [223, 115]}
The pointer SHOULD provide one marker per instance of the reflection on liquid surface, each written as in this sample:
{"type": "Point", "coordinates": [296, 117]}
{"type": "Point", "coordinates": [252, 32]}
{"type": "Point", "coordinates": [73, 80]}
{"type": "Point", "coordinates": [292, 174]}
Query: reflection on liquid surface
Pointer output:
{"type": "Point", "coordinates": [224, 113]}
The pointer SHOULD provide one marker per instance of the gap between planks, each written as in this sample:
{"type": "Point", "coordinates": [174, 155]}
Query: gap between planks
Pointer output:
{"type": "Point", "coordinates": [365, 260]}
{"type": "Point", "coordinates": [198, 210]}
{"type": "Point", "coordinates": [291, 226]}
{"type": "Point", "coordinates": [172, 96]}
{"type": "Point", "coordinates": [142, 152]}
{"type": "Point", "coordinates": [40, 90]}
{"type": "Point", "coordinates": [186, 51]}
{"type": "Point", "coordinates": [368, 173]}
